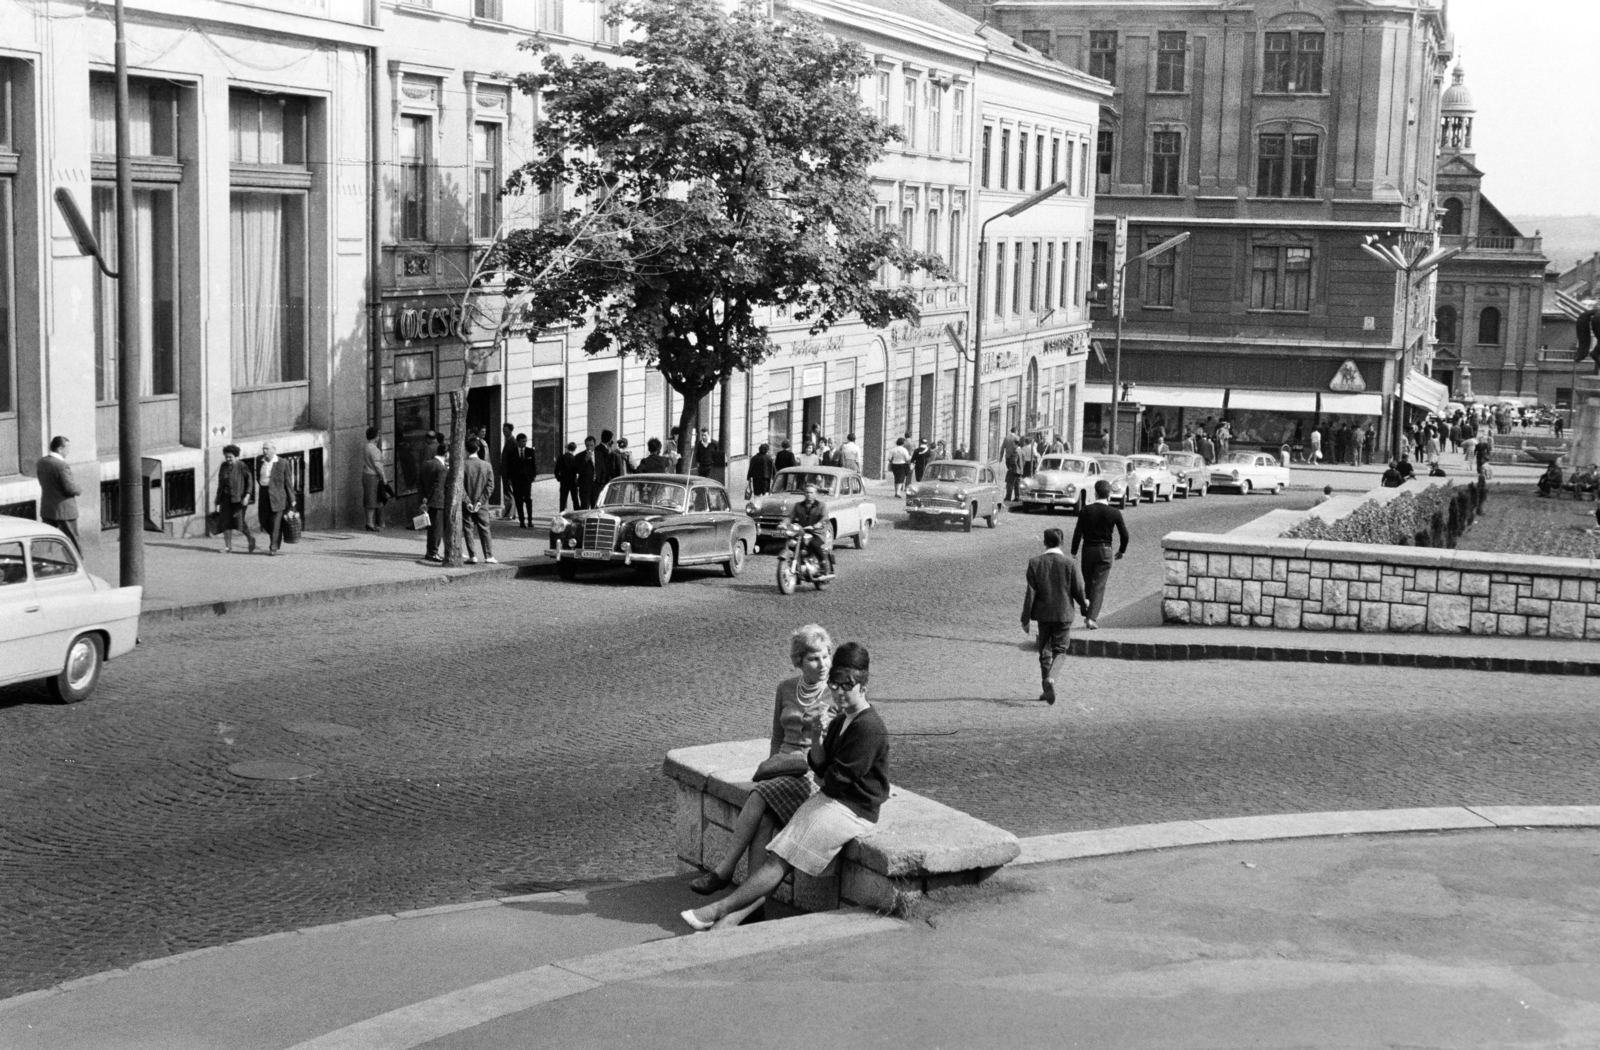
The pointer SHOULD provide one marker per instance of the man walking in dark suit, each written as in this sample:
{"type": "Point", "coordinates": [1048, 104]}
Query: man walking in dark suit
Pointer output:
{"type": "Point", "coordinates": [1055, 588]}
{"type": "Point", "coordinates": [616, 460]}
{"type": "Point", "coordinates": [521, 466]}
{"type": "Point", "coordinates": [276, 487]}
{"type": "Point", "coordinates": [1096, 522]}
{"type": "Point", "coordinates": [591, 472]}
{"type": "Point", "coordinates": [567, 476]}
{"type": "Point", "coordinates": [58, 490]}
{"type": "Point", "coordinates": [762, 469]}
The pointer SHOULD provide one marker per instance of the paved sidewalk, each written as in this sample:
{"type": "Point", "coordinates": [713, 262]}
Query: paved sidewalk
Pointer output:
{"type": "Point", "coordinates": [1460, 927]}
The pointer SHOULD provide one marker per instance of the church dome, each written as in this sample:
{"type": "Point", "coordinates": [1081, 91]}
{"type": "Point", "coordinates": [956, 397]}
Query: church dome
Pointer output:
{"type": "Point", "coordinates": [1457, 99]}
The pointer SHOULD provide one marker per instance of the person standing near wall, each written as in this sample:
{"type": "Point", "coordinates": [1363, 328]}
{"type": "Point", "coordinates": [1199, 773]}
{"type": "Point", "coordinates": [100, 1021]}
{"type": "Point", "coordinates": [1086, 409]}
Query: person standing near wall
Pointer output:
{"type": "Point", "coordinates": [520, 470]}
{"type": "Point", "coordinates": [433, 480]}
{"type": "Point", "coordinates": [58, 490]}
{"type": "Point", "coordinates": [1096, 523]}
{"type": "Point", "coordinates": [477, 495]}
{"type": "Point", "coordinates": [372, 497]}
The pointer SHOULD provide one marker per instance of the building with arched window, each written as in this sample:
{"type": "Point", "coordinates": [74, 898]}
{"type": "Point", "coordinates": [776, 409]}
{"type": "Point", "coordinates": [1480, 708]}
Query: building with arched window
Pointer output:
{"type": "Point", "coordinates": [1494, 289]}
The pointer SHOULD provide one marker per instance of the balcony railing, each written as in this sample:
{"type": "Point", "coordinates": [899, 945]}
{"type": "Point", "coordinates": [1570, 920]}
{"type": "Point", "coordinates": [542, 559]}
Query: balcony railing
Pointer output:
{"type": "Point", "coordinates": [1491, 244]}
{"type": "Point", "coordinates": [1557, 357]}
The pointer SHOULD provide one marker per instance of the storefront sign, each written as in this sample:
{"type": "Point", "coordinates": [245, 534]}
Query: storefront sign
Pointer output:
{"type": "Point", "coordinates": [1348, 380]}
{"type": "Point", "coordinates": [814, 347]}
{"type": "Point", "coordinates": [443, 323]}
{"type": "Point", "coordinates": [908, 335]}
{"type": "Point", "coordinates": [1001, 361]}
{"type": "Point", "coordinates": [1075, 343]}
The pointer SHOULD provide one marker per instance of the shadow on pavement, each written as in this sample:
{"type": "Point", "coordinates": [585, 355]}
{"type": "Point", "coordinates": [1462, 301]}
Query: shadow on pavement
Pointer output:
{"type": "Point", "coordinates": [653, 903]}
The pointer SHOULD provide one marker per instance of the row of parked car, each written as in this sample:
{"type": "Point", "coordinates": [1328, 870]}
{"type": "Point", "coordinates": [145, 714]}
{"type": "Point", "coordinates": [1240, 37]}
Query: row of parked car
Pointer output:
{"type": "Point", "coordinates": [1066, 480]}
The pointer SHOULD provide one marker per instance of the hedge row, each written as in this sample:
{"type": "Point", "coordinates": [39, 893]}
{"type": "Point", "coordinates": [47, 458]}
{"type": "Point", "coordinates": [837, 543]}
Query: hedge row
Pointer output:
{"type": "Point", "coordinates": [1435, 518]}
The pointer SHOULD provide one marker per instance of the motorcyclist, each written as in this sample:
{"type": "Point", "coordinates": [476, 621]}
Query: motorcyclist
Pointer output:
{"type": "Point", "coordinates": [810, 514]}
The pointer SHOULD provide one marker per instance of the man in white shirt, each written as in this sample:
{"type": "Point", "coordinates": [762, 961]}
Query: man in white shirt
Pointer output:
{"type": "Point", "coordinates": [850, 454]}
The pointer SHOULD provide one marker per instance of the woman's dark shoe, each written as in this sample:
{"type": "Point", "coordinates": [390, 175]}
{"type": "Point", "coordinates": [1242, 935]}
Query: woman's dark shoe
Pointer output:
{"type": "Point", "coordinates": [709, 883]}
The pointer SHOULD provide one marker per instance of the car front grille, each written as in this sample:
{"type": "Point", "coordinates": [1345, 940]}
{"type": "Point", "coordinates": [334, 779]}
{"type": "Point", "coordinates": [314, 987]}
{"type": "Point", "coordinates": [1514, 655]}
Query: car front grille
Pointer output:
{"type": "Point", "coordinates": [1051, 493]}
{"type": "Point", "coordinates": [940, 501]}
{"type": "Point", "coordinates": [600, 534]}
{"type": "Point", "coordinates": [768, 523]}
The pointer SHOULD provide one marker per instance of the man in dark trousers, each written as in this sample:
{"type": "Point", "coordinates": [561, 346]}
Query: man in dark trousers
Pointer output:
{"type": "Point", "coordinates": [521, 466]}
{"type": "Point", "coordinates": [707, 456]}
{"type": "Point", "coordinates": [477, 490]}
{"type": "Point", "coordinates": [1096, 523]}
{"type": "Point", "coordinates": [508, 453]}
{"type": "Point", "coordinates": [567, 476]}
{"type": "Point", "coordinates": [1055, 588]}
{"type": "Point", "coordinates": [590, 473]}
{"type": "Point", "coordinates": [276, 486]}
{"type": "Point", "coordinates": [58, 491]}
{"type": "Point", "coordinates": [762, 469]}
{"type": "Point", "coordinates": [433, 483]}
{"type": "Point", "coordinates": [616, 459]}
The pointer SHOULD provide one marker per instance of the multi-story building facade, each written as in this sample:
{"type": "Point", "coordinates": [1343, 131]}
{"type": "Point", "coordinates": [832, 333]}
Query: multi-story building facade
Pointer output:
{"type": "Point", "coordinates": [249, 134]}
{"type": "Point", "coordinates": [1278, 135]}
{"type": "Point", "coordinates": [1490, 297]}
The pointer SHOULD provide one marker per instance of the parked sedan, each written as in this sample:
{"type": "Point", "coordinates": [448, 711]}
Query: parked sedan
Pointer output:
{"type": "Point", "coordinates": [957, 491]}
{"type": "Point", "coordinates": [1192, 472]}
{"type": "Point", "coordinates": [57, 621]}
{"type": "Point", "coordinates": [850, 512]}
{"type": "Point", "coordinates": [1124, 482]}
{"type": "Point", "coordinates": [1248, 471]}
{"type": "Point", "coordinates": [1155, 480]}
{"type": "Point", "coordinates": [655, 523]}
{"type": "Point", "coordinates": [1061, 480]}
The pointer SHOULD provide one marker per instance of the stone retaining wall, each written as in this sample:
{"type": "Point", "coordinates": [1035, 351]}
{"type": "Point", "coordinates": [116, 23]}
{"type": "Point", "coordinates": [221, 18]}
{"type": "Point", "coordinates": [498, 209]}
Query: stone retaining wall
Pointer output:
{"type": "Point", "coordinates": [917, 845]}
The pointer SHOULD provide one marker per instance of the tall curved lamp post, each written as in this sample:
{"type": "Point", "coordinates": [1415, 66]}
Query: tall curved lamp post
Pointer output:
{"type": "Point", "coordinates": [1414, 262]}
{"type": "Point", "coordinates": [1117, 305]}
{"type": "Point", "coordinates": [977, 329]}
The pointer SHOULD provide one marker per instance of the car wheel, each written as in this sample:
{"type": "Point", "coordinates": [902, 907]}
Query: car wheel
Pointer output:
{"type": "Point", "coordinates": [786, 578]}
{"type": "Point", "coordinates": [966, 523]}
{"type": "Point", "coordinates": [994, 517]}
{"type": "Point", "coordinates": [735, 563]}
{"type": "Point", "coordinates": [80, 672]}
{"type": "Point", "coordinates": [1244, 487]}
{"type": "Point", "coordinates": [565, 569]}
{"type": "Point", "coordinates": [664, 567]}
{"type": "Point", "coordinates": [1205, 487]}
{"type": "Point", "coordinates": [864, 537]}
{"type": "Point", "coordinates": [1185, 490]}
{"type": "Point", "coordinates": [1277, 490]}
{"type": "Point", "coordinates": [1172, 492]}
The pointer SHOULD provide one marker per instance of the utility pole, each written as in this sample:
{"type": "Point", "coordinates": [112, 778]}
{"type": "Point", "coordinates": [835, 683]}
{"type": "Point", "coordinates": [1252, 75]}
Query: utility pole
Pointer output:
{"type": "Point", "coordinates": [130, 471]}
{"type": "Point", "coordinates": [1411, 263]}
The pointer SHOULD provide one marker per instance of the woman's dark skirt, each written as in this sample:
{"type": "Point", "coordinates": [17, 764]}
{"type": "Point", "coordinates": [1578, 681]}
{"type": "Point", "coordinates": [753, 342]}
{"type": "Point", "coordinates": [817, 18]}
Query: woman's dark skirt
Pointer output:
{"type": "Point", "coordinates": [232, 516]}
{"type": "Point", "coordinates": [784, 795]}
{"type": "Point", "coordinates": [370, 486]}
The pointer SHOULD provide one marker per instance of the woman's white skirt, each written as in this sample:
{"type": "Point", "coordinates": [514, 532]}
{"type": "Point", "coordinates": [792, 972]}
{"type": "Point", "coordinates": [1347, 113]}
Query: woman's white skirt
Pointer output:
{"type": "Point", "coordinates": [816, 833]}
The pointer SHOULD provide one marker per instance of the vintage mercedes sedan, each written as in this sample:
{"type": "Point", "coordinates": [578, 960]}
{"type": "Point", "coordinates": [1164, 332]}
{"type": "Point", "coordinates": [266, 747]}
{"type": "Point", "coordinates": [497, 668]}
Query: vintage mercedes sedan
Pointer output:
{"type": "Point", "coordinates": [1155, 480]}
{"type": "Point", "coordinates": [850, 513]}
{"type": "Point", "coordinates": [654, 523]}
{"type": "Point", "coordinates": [1249, 471]}
{"type": "Point", "coordinates": [1061, 480]}
{"type": "Point", "coordinates": [1192, 472]}
{"type": "Point", "coordinates": [1124, 482]}
{"type": "Point", "coordinates": [957, 492]}
{"type": "Point", "coordinates": [58, 622]}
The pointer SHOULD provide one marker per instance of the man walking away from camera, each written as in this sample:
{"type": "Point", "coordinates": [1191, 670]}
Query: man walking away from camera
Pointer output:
{"type": "Point", "coordinates": [1055, 588]}
{"type": "Point", "coordinates": [1096, 523]}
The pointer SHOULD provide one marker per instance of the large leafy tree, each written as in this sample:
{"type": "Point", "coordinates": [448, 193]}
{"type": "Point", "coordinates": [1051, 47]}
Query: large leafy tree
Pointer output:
{"type": "Point", "coordinates": [724, 162]}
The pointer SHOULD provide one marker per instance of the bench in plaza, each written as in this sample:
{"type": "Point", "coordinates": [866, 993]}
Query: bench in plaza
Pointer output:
{"type": "Point", "coordinates": [917, 845]}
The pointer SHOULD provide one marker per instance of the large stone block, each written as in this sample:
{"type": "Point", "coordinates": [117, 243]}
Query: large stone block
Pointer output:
{"type": "Point", "coordinates": [1538, 626]}
{"type": "Point", "coordinates": [1174, 611]}
{"type": "Point", "coordinates": [1408, 617]}
{"type": "Point", "coordinates": [1177, 572]}
{"type": "Point", "coordinates": [1317, 585]}
{"type": "Point", "coordinates": [1300, 565]}
{"type": "Point", "coordinates": [1205, 589]}
{"type": "Point", "coordinates": [1475, 583]}
{"type": "Point", "coordinates": [735, 759]}
{"type": "Point", "coordinates": [1320, 570]}
{"type": "Point", "coordinates": [1214, 614]}
{"type": "Point", "coordinates": [1449, 613]}
{"type": "Point", "coordinates": [1513, 626]}
{"type": "Point", "coordinates": [1390, 589]}
{"type": "Point", "coordinates": [1588, 590]}
{"type": "Point", "coordinates": [1344, 570]}
{"type": "Point", "coordinates": [1230, 591]}
{"type": "Point", "coordinates": [1261, 569]}
{"type": "Point", "coordinates": [1240, 567]}
{"type": "Point", "coordinates": [716, 843]}
{"type": "Point", "coordinates": [1171, 591]}
{"type": "Point", "coordinates": [1260, 621]}
{"type": "Point", "coordinates": [1566, 619]}
{"type": "Point", "coordinates": [817, 893]}
{"type": "Point", "coordinates": [1546, 587]}
{"type": "Point", "coordinates": [720, 811]}
{"type": "Point", "coordinates": [1186, 593]}
{"type": "Point", "coordinates": [1238, 620]}
{"type": "Point", "coordinates": [1414, 598]}
{"type": "Point", "coordinates": [916, 835]}
{"type": "Point", "coordinates": [1196, 611]}
{"type": "Point", "coordinates": [1286, 614]}
{"type": "Point", "coordinates": [868, 889]}
{"type": "Point", "coordinates": [1375, 617]}
{"type": "Point", "coordinates": [1199, 563]}
{"type": "Point", "coordinates": [1571, 590]}
{"type": "Point", "coordinates": [1273, 588]}
{"type": "Point", "coordinates": [1371, 572]}
{"type": "Point", "coordinates": [1485, 623]}
{"type": "Point", "coordinates": [1426, 580]}
{"type": "Point", "coordinates": [1449, 581]}
{"type": "Point", "coordinates": [1503, 598]}
{"type": "Point", "coordinates": [1280, 569]}
{"type": "Point", "coordinates": [1335, 596]}
{"type": "Point", "coordinates": [1533, 607]}
{"type": "Point", "coordinates": [1297, 585]}
{"type": "Point", "coordinates": [1316, 622]}
{"type": "Point", "coordinates": [1346, 623]}
{"type": "Point", "coordinates": [1251, 600]}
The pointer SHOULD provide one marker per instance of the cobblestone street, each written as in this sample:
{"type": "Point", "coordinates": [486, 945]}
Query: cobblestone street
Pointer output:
{"type": "Point", "coordinates": [509, 737]}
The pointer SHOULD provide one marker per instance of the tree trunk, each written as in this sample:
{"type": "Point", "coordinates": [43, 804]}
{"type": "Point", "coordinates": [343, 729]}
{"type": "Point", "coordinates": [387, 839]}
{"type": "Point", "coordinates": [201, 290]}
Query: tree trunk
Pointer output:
{"type": "Point", "coordinates": [458, 462]}
{"type": "Point", "coordinates": [687, 433]}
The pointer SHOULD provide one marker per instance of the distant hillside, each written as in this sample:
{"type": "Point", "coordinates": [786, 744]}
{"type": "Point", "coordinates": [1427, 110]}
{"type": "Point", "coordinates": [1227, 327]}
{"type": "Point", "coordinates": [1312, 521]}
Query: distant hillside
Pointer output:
{"type": "Point", "coordinates": [1568, 239]}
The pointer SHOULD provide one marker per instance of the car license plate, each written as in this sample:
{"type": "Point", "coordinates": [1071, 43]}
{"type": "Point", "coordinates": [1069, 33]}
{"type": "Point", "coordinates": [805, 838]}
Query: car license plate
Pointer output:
{"type": "Point", "coordinates": [592, 554]}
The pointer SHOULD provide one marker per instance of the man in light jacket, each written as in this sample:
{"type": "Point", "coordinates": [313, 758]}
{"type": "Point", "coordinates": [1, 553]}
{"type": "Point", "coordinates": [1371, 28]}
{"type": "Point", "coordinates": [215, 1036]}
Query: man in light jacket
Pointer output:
{"type": "Point", "coordinates": [477, 492]}
{"type": "Point", "coordinates": [275, 487]}
{"type": "Point", "coordinates": [58, 490]}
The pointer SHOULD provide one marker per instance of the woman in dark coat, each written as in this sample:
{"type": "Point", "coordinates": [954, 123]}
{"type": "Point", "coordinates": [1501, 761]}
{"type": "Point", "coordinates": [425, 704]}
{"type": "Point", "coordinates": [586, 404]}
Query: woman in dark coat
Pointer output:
{"type": "Point", "coordinates": [236, 490]}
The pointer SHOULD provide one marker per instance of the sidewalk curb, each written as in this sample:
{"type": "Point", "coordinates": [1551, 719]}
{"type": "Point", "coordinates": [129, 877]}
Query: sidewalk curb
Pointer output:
{"type": "Point", "coordinates": [1119, 650]}
{"type": "Point", "coordinates": [464, 578]}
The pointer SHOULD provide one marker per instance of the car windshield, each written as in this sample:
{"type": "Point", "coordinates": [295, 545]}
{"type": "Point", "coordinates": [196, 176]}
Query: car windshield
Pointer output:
{"type": "Point", "coordinates": [1071, 466]}
{"type": "Point", "coordinates": [797, 481]}
{"type": "Point", "coordinates": [1246, 458]}
{"type": "Point", "coordinates": [1149, 461]}
{"type": "Point", "coordinates": [950, 472]}
{"type": "Point", "coordinates": [643, 494]}
{"type": "Point", "coordinates": [1180, 459]}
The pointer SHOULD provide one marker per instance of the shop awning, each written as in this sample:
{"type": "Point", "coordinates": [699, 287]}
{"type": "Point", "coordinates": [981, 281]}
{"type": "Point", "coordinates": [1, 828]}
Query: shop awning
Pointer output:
{"type": "Point", "coordinates": [1426, 393]}
{"type": "Point", "coordinates": [1352, 404]}
{"type": "Point", "coordinates": [1159, 396]}
{"type": "Point", "coordinates": [1272, 400]}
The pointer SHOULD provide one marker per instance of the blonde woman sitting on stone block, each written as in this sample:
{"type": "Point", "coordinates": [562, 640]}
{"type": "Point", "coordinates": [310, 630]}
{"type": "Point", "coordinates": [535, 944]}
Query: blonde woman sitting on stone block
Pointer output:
{"type": "Point", "coordinates": [800, 715]}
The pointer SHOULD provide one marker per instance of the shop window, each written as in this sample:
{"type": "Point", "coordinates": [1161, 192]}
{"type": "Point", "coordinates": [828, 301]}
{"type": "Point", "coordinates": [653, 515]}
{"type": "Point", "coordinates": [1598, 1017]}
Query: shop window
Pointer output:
{"type": "Point", "coordinates": [1280, 278]}
{"type": "Point", "coordinates": [413, 422]}
{"type": "Point", "coordinates": [1489, 327]}
{"type": "Point", "coordinates": [1165, 162]}
{"type": "Point", "coordinates": [1104, 152]}
{"type": "Point", "coordinates": [156, 236]}
{"type": "Point", "coordinates": [316, 474]}
{"type": "Point", "coordinates": [179, 489]}
{"type": "Point", "coordinates": [486, 179]}
{"type": "Point", "coordinates": [269, 330]}
{"type": "Point", "coordinates": [1170, 56]}
{"type": "Point", "coordinates": [1103, 55]}
{"type": "Point", "coordinates": [545, 430]}
{"type": "Point", "coordinates": [416, 153]}
{"type": "Point", "coordinates": [1444, 325]}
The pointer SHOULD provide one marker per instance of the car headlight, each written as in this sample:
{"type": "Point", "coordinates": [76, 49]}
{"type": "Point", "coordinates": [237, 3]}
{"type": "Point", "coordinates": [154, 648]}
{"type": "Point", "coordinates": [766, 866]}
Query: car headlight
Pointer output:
{"type": "Point", "coordinates": [1236, 475]}
{"type": "Point", "coordinates": [751, 508]}
{"type": "Point", "coordinates": [961, 494]}
{"type": "Point", "coordinates": [1070, 489]}
{"type": "Point", "coordinates": [558, 526]}
{"type": "Point", "coordinates": [643, 529]}
{"type": "Point", "coordinates": [1029, 483]}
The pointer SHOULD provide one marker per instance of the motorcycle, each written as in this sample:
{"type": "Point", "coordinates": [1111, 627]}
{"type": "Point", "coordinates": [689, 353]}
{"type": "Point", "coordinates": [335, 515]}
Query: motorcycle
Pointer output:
{"type": "Point", "coordinates": [798, 563]}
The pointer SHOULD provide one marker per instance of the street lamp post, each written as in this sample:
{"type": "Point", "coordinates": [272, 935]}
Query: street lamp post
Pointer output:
{"type": "Point", "coordinates": [1411, 262]}
{"type": "Point", "coordinates": [977, 328]}
{"type": "Point", "coordinates": [1117, 304]}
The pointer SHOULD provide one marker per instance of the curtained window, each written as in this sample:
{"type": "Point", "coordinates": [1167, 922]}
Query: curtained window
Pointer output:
{"type": "Point", "coordinates": [268, 239]}
{"type": "Point", "coordinates": [486, 179]}
{"type": "Point", "coordinates": [155, 237]}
